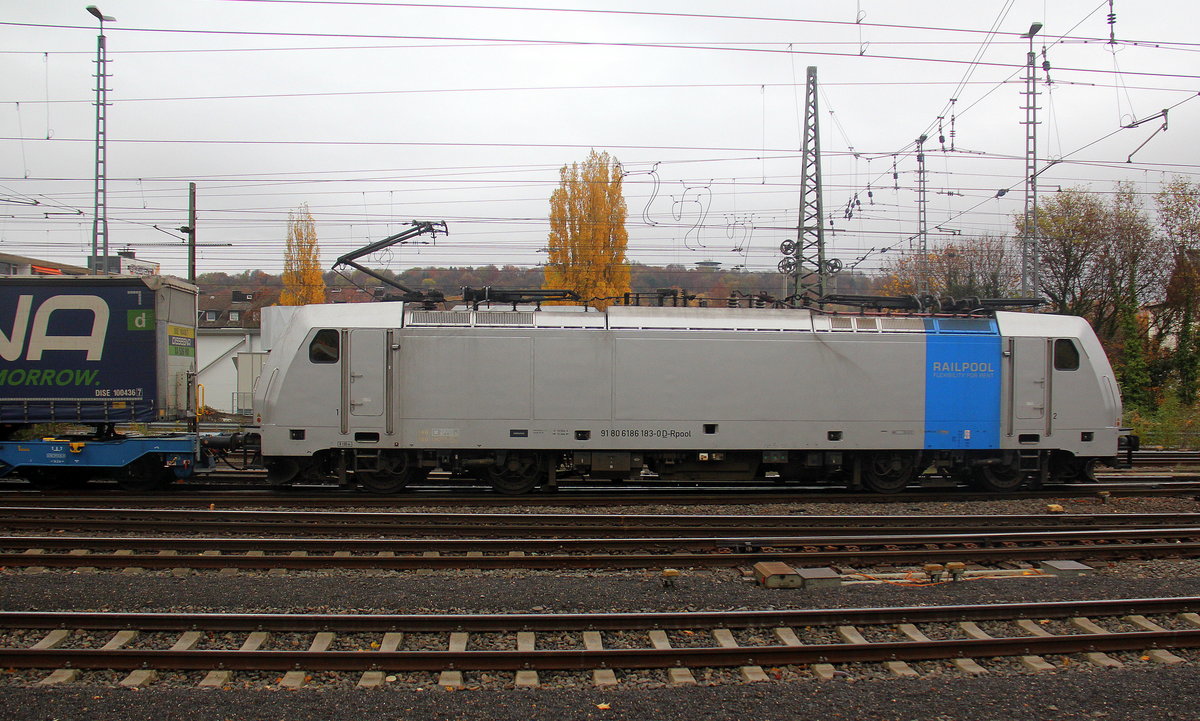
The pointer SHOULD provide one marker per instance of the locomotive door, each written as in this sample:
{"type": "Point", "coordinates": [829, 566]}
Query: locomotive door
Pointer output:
{"type": "Point", "coordinates": [365, 387]}
{"type": "Point", "coordinates": [1028, 385]}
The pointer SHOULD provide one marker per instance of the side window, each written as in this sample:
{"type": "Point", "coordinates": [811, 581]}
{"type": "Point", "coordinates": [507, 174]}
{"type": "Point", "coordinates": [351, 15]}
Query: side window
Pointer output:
{"type": "Point", "coordinates": [324, 346]}
{"type": "Point", "coordinates": [1066, 355]}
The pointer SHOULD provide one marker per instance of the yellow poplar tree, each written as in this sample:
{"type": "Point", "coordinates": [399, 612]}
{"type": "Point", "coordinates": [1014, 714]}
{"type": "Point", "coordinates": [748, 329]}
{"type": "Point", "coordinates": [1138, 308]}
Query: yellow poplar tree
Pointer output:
{"type": "Point", "coordinates": [302, 280]}
{"type": "Point", "coordinates": [587, 231]}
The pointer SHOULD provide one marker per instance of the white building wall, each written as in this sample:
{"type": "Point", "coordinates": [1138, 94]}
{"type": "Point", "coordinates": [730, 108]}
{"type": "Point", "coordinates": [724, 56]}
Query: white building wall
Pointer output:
{"type": "Point", "coordinates": [215, 351]}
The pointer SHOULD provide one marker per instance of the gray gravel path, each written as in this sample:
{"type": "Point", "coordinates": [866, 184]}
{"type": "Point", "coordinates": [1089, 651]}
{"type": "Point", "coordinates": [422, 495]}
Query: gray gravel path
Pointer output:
{"type": "Point", "coordinates": [1115, 695]}
{"type": "Point", "coordinates": [532, 592]}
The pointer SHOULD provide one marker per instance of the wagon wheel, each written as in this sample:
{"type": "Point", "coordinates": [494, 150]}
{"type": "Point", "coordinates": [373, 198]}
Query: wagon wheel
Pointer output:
{"type": "Point", "coordinates": [396, 471]}
{"type": "Point", "coordinates": [516, 474]}
{"type": "Point", "coordinates": [53, 479]}
{"type": "Point", "coordinates": [998, 477]}
{"type": "Point", "coordinates": [888, 471]}
{"type": "Point", "coordinates": [144, 475]}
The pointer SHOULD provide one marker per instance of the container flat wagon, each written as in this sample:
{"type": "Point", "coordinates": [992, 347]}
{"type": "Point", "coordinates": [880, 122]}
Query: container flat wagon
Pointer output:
{"type": "Point", "coordinates": [89, 353]}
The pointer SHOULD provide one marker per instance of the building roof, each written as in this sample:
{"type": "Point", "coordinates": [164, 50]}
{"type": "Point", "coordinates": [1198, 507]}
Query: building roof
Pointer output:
{"type": "Point", "coordinates": [233, 308]}
{"type": "Point", "coordinates": [237, 308]}
{"type": "Point", "coordinates": [21, 265]}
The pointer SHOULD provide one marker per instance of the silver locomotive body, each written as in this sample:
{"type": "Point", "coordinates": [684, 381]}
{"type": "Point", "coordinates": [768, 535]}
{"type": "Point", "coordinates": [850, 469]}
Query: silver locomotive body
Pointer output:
{"type": "Point", "coordinates": [380, 394]}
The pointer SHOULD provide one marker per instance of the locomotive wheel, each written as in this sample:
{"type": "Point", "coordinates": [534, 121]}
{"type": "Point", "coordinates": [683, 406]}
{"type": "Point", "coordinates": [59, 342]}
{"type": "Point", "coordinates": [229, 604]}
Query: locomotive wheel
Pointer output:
{"type": "Point", "coordinates": [519, 473]}
{"type": "Point", "coordinates": [888, 472]}
{"type": "Point", "coordinates": [998, 477]}
{"type": "Point", "coordinates": [1065, 467]}
{"type": "Point", "coordinates": [144, 475]}
{"type": "Point", "coordinates": [396, 471]}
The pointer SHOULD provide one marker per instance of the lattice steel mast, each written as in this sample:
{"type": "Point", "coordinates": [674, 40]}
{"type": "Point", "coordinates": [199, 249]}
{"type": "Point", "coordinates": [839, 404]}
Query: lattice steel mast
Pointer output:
{"type": "Point", "coordinates": [100, 205]}
{"type": "Point", "coordinates": [922, 220]}
{"type": "Point", "coordinates": [1030, 281]}
{"type": "Point", "coordinates": [805, 257]}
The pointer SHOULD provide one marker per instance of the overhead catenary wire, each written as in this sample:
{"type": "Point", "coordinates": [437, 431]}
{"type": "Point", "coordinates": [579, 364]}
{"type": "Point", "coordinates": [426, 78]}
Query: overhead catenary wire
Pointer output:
{"type": "Point", "coordinates": [257, 208]}
{"type": "Point", "coordinates": [581, 43]}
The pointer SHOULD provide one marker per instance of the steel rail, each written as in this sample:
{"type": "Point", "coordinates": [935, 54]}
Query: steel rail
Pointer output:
{"type": "Point", "coordinates": [567, 659]}
{"type": "Point", "coordinates": [579, 659]}
{"type": "Point", "coordinates": [615, 497]}
{"type": "Point", "coordinates": [972, 539]}
{"type": "Point", "coordinates": [816, 556]}
{"type": "Point", "coordinates": [495, 622]}
{"type": "Point", "coordinates": [558, 525]}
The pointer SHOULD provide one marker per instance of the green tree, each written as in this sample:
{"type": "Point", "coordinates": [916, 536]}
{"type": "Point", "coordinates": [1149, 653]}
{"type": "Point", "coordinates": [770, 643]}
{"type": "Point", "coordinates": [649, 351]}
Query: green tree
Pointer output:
{"type": "Point", "coordinates": [1133, 365]}
{"type": "Point", "coordinates": [1179, 216]}
{"type": "Point", "coordinates": [302, 280]}
{"type": "Point", "coordinates": [587, 231]}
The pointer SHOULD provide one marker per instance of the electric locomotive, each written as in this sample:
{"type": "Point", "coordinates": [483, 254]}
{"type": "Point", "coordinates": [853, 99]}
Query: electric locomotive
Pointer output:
{"type": "Point", "coordinates": [379, 395]}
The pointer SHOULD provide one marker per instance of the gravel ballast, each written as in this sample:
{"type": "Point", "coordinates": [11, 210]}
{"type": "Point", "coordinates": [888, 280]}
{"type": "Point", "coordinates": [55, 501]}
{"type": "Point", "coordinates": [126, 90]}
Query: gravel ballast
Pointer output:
{"type": "Point", "coordinates": [1078, 691]}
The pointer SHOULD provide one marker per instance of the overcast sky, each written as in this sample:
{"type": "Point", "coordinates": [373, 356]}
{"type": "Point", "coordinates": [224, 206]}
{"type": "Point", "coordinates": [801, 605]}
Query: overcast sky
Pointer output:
{"type": "Point", "coordinates": [377, 113]}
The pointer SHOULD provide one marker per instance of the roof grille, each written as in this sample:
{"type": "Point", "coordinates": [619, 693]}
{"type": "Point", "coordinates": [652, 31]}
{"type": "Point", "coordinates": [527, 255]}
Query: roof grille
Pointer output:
{"type": "Point", "coordinates": [504, 317]}
{"type": "Point", "coordinates": [439, 317]}
{"type": "Point", "coordinates": [902, 324]}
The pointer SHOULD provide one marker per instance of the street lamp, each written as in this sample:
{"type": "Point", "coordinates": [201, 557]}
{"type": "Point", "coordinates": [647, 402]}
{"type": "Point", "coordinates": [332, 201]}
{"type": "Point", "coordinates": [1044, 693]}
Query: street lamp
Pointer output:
{"type": "Point", "coordinates": [100, 205]}
{"type": "Point", "coordinates": [102, 17]}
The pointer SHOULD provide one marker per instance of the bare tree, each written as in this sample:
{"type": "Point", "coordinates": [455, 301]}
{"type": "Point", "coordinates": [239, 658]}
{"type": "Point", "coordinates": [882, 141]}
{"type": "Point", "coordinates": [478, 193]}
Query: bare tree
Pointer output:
{"type": "Point", "coordinates": [1071, 225]}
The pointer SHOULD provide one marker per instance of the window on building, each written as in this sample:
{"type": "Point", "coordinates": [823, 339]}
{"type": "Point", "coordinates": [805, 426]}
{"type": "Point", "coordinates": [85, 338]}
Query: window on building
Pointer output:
{"type": "Point", "coordinates": [1066, 355]}
{"type": "Point", "coordinates": [324, 347]}
{"type": "Point", "coordinates": [235, 316]}
{"type": "Point", "coordinates": [210, 316]}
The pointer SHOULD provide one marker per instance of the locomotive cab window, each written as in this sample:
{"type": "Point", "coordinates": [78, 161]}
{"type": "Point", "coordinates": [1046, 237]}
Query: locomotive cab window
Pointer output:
{"type": "Point", "coordinates": [1066, 355]}
{"type": "Point", "coordinates": [324, 347]}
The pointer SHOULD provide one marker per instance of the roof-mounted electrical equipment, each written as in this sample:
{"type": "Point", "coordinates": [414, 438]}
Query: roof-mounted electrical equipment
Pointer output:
{"type": "Point", "coordinates": [419, 227]}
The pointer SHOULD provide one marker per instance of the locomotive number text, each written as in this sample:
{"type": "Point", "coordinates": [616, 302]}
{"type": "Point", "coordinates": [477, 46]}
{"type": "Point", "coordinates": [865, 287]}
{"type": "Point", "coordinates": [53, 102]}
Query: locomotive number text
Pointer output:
{"type": "Point", "coordinates": [644, 433]}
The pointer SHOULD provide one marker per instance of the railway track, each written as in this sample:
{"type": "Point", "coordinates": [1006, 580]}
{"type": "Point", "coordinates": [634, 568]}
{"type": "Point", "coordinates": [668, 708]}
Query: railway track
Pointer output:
{"type": "Point", "coordinates": [755, 645]}
{"type": "Point", "coordinates": [255, 553]}
{"type": "Point", "coordinates": [1166, 458]}
{"type": "Point", "coordinates": [541, 525]}
{"type": "Point", "coordinates": [19, 494]}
